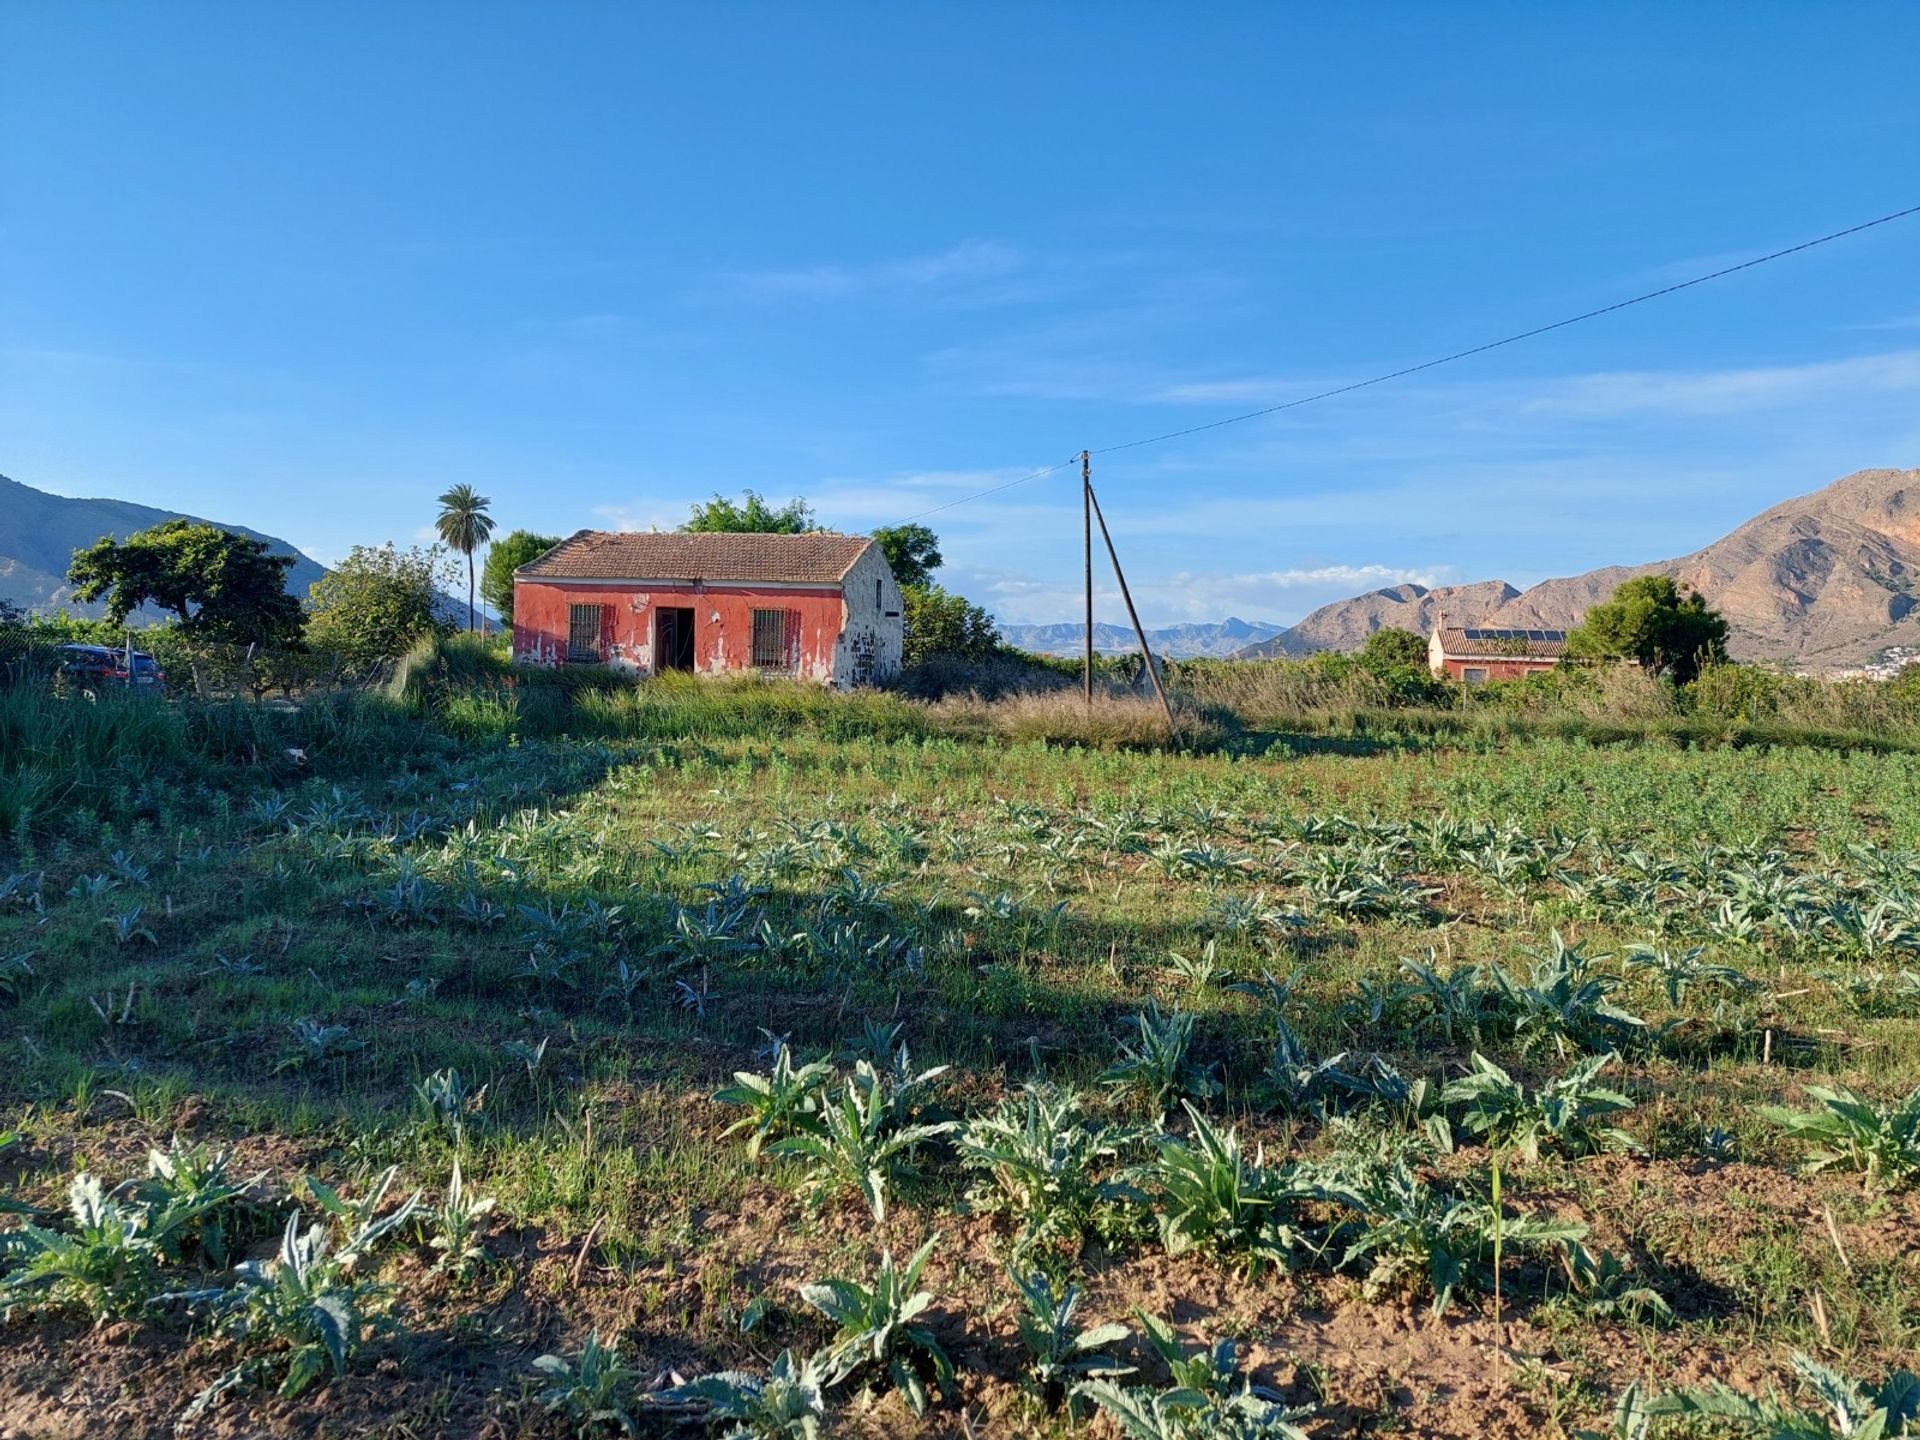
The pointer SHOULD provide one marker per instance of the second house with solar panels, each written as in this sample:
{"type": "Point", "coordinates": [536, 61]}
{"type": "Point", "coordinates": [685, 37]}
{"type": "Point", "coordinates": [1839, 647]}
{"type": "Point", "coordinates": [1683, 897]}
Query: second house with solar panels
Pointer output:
{"type": "Point", "coordinates": [1476, 654]}
{"type": "Point", "coordinates": [816, 606]}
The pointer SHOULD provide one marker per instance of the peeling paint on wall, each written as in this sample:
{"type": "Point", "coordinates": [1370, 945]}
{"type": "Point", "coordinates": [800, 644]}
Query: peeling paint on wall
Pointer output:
{"type": "Point", "coordinates": [872, 631]}
{"type": "Point", "coordinates": [837, 635]}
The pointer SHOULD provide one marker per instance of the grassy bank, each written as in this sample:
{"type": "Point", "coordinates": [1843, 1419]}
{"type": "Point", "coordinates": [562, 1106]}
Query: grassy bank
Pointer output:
{"type": "Point", "coordinates": [59, 753]}
{"type": "Point", "coordinates": [471, 690]}
{"type": "Point", "coordinates": [1319, 692]}
{"type": "Point", "coordinates": [468, 688]}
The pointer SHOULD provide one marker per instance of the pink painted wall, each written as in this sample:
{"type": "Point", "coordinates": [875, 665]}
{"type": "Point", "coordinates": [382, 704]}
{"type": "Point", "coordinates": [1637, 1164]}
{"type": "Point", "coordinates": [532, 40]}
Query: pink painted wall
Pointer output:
{"type": "Point", "coordinates": [722, 623]}
{"type": "Point", "coordinates": [1504, 669]}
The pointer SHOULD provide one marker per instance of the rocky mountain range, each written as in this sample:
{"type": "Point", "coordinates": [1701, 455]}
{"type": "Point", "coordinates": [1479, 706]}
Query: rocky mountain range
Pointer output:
{"type": "Point", "coordinates": [39, 533]}
{"type": "Point", "coordinates": [1824, 582]}
{"type": "Point", "coordinates": [1215, 640]}
{"type": "Point", "coordinates": [1345, 624]}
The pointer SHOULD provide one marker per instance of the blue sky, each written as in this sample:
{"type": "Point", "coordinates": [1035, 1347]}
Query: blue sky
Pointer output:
{"type": "Point", "coordinates": [303, 266]}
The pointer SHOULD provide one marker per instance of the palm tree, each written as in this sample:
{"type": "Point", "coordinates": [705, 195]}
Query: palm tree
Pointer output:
{"type": "Point", "coordinates": [465, 525]}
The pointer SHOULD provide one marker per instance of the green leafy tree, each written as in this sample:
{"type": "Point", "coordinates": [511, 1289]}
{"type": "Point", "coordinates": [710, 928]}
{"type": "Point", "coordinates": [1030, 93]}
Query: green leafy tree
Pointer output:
{"type": "Point", "coordinates": [754, 514]}
{"type": "Point", "coordinates": [1390, 648]}
{"type": "Point", "coordinates": [1905, 685]}
{"type": "Point", "coordinates": [1398, 660]}
{"type": "Point", "coordinates": [464, 524]}
{"type": "Point", "coordinates": [941, 623]}
{"type": "Point", "coordinates": [912, 551]}
{"type": "Point", "coordinates": [378, 601]}
{"type": "Point", "coordinates": [1653, 622]}
{"type": "Point", "coordinates": [505, 556]}
{"type": "Point", "coordinates": [222, 586]}
{"type": "Point", "coordinates": [938, 622]}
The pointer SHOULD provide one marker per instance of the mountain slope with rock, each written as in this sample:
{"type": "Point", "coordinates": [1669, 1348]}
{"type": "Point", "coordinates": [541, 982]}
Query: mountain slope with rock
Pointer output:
{"type": "Point", "coordinates": [1346, 624]}
{"type": "Point", "coordinates": [39, 533]}
{"type": "Point", "coordinates": [1823, 582]}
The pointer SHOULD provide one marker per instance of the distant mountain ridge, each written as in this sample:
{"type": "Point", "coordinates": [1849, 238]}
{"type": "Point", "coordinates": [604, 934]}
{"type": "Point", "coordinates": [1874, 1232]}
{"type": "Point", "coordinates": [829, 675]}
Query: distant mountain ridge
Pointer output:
{"type": "Point", "coordinates": [1826, 581]}
{"type": "Point", "coordinates": [1345, 624]}
{"type": "Point", "coordinates": [1215, 640]}
{"type": "Point", "coordinates": [39, 533]}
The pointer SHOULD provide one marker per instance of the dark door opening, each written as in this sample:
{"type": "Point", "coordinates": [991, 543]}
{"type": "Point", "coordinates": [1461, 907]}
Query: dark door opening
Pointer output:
{"type": "Point", "coordinates": [673, 638]}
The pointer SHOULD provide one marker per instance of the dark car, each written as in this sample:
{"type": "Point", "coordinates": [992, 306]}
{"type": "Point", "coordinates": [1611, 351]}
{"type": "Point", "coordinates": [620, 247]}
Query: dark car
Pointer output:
{"type": "Point", "coordinates": [92, 666]}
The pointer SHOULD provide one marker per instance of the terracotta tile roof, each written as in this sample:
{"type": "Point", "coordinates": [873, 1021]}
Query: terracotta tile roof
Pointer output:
{"type": "Point", "coordinates": [815, 559]}
{"type": "Point", "coordinates": [1483, 642]}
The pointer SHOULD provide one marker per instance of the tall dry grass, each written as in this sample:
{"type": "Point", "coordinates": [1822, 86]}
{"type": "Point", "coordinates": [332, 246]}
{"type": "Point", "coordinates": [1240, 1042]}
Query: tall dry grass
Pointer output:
{"type": "Point", "coordinates": [1268, 693]}
{"type": "Point", "coordinates": [1116, 719]}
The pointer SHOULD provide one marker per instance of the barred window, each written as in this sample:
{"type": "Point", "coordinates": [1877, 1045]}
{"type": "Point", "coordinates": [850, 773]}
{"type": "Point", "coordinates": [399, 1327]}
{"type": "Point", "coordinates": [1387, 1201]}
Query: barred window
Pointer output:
{"type": "Point", "coordinates": [770, 639]}
{"type": "Point", "coordinates": [583, 633]}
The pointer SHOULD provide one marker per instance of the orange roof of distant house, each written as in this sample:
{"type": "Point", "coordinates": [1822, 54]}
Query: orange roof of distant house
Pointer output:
{"type": "Point", "coordinates": [1483, 642]}
{"type": "Point", "coordinates": [819, 558]}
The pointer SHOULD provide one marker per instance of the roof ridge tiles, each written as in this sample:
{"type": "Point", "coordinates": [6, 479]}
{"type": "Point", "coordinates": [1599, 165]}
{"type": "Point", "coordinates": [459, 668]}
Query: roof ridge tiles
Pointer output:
{"type": "Point", "coordinates": [815, 557]}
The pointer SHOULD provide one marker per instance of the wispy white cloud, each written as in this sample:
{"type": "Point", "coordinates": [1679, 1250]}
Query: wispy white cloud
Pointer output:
{"type": "Point", "coordinates": [1020, 599]}
{"type": "Point", "coordinates": [923, 484]}
{"type": "Point", "coordinates": [1279, 596]}
{"type": "Point", "coordinates": [1366, 577]}
{"type": "Point", "coordinates": [1252, 390]}
{"type": "Point", "coordinates": [1672, 272]}
{"type": "Point", "coordinates": [858, 504]}
{"type": "Point", "coordinates": [1898, 322]}
{"type": "Point", "coordinates": [968, 262]}
{"type": "Point", "coordinates": [849, 503]}
{"type": "Point", "coordinates": [653, 515]}
{"type": "Point", "coordinates": [1282, 596]}
{"type": "Point", "coordinates": [1725, 392]}
{"type": "Point", "coordinates": [1013, 376]}
{"type": "Point", "coordinates": [1069, 367]}
{"type": "Point", "coordinates": [1497, 476]}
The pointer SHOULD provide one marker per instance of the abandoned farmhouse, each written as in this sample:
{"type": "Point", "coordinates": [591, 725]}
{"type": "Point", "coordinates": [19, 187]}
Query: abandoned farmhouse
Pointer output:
{"type": "Point", "coordinates": [817, 606]}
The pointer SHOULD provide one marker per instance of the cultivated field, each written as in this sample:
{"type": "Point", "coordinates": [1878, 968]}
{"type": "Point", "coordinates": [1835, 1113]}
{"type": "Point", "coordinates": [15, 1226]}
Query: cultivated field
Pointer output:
{"type": "Point", "coordinates": [1459, 1086]}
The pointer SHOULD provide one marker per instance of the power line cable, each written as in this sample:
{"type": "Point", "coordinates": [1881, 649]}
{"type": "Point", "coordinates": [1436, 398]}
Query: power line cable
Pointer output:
{"type": "Point", "coordinates": [982, 494]}
{"type": "Point", "coordinates": [1515, 339]}
{"type": "Point", "coordinates": [1444, 359]}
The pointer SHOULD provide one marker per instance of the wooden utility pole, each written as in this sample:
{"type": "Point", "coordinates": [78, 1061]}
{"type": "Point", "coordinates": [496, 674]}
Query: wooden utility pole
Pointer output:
{"type": "Point", "coordinates": [1146, 651]}
{"type": "Point", "coordinates": [1086, 526]}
